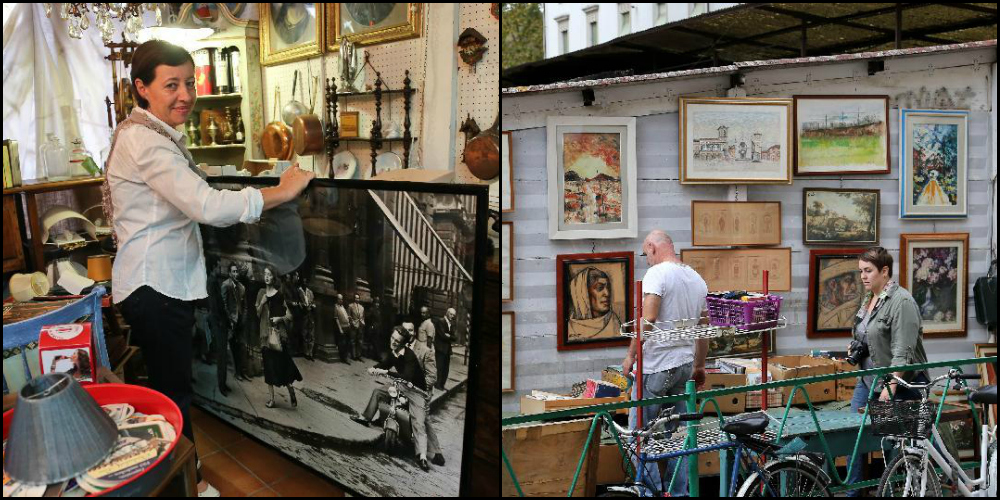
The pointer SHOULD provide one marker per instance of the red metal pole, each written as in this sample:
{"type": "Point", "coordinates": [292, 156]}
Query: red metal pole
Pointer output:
{"type": "Point", "coordinates": [638, 339]}
{"type": "Point", "coordinates": [765, 341]}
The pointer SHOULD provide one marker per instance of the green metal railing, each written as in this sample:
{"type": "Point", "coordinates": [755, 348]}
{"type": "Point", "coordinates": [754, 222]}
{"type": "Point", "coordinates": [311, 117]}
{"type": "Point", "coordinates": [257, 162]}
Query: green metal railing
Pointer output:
{"type": "Point", "coordinates": [603, 413]}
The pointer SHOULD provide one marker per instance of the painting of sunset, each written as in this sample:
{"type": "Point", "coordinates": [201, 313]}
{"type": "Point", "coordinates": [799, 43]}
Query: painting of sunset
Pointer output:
{"type": "Point", "coordinates": [592, 178]}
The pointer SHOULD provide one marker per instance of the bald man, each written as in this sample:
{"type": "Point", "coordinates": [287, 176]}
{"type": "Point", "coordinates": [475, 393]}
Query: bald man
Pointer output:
{"type": "Point", "coordinates": [672, 291]}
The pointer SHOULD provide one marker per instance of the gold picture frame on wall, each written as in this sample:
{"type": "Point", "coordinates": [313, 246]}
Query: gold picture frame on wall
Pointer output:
{"type": "Point", "coordinates": [372, 23]}
{"type": "Point", "coordinates": [293, 32]}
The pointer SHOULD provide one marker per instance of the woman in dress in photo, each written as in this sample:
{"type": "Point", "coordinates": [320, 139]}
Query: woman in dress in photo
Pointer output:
{"type": "Point", "coordinates": [275, 318]}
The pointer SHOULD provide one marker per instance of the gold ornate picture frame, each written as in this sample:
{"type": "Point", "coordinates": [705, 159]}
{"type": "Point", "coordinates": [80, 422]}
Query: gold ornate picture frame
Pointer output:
{"type": "Point", "coordinates": [294, 33]}
{"type": "Point", "coordinates": [372, 23]}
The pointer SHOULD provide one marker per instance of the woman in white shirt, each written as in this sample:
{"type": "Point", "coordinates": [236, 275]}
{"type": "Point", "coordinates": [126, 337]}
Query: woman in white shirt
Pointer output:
{"type": "Point", "coordinates": [158, 197]}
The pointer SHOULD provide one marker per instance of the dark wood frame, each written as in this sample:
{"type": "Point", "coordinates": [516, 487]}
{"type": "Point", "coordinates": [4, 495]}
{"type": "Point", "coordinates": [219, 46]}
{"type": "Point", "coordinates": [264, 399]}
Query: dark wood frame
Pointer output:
{"type": "Point", "coordinates": [812, 314]}
{"type": "Point", "coordinates": [904, 250]}
{"type": "Point", "coordinates": [878, 217]}
{"type": "Point", "coordinates": [694, 232]}
{"type": "Point", "coordinates": [582, 258]}
{"type": "Point", "coordinates": [795, 128]}
{"type": "Point", "coordinates": [510, 158]}
{"type": "Point", "coordinates": [513, 356]}
{"type": "Point", "coordinates": [511, 257]}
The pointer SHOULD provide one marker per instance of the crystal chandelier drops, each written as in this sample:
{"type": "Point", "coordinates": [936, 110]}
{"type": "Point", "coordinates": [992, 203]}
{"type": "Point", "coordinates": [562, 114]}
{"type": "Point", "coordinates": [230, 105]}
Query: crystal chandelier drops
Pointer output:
{"type": "Point", "coordinates": [77, 16]}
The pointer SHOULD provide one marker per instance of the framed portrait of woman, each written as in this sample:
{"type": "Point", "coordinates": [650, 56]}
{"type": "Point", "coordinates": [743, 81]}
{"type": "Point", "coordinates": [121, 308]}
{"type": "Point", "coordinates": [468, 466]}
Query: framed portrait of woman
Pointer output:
{"type": "Point", "coordinates": [594, 299]}
{"type": "Point", "coordinates": [290, 32]}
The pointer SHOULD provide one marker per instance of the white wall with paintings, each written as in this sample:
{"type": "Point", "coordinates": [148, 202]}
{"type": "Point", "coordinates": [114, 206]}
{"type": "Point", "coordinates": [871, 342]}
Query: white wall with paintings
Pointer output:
{"type": "Point", "coordinates": [960, 80]}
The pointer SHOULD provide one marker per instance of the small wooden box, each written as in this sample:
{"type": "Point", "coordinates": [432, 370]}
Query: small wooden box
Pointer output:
{"type": "Point", "coordinates": [349, 121]}
{"type": "Point", "coordinates": [545, 457]}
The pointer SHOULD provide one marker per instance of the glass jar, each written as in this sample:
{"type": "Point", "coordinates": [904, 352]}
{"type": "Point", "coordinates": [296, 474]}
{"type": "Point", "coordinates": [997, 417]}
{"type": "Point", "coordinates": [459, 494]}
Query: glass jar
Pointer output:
{"type": "Point", "coordinates": [55, 158]}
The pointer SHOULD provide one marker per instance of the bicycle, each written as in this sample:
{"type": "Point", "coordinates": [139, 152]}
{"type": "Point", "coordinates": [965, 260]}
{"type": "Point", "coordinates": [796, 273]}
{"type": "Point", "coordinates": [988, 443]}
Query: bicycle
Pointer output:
{"type": "Point", "coordinates": [912, 424]}
{"type": "Point", "coordinates": [783, 474]}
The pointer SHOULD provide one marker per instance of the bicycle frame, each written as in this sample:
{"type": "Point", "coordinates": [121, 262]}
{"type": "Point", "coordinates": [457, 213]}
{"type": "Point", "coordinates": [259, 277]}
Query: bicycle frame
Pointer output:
{"type": "Point", "coordinates": [950, 467]}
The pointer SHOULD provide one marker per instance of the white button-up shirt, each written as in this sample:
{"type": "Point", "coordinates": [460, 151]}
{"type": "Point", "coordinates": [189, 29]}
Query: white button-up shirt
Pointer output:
{"type": "Point", "coordinates": [159, 202]}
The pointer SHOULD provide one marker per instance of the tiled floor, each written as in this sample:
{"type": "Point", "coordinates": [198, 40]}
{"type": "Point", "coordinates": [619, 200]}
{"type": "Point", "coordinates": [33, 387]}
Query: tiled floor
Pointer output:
{"type": "Point", "coordinates": [241, 467]}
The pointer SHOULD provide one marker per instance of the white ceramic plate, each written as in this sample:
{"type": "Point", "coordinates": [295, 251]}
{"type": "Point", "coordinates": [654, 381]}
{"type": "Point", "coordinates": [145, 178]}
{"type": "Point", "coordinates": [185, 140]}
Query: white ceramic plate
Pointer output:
{"type": "Point", "coordinates": [388, 161]}
{"type": "Point", "coordinates": [345, 165]}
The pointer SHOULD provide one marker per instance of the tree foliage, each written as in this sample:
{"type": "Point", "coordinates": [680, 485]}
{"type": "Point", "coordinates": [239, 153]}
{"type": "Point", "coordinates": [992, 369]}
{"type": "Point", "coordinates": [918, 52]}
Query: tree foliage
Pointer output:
{"type": "Point", "coordinates": [521, 33]}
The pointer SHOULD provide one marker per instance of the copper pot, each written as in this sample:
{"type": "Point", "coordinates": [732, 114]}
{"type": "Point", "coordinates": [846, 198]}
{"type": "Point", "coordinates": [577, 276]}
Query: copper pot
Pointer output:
{"type": "Point", "coordinates": [277, 141]}
{"type": "Point", "coordinates": [482, 154]}
{"type": "Point", "coordinates": [308, 135]}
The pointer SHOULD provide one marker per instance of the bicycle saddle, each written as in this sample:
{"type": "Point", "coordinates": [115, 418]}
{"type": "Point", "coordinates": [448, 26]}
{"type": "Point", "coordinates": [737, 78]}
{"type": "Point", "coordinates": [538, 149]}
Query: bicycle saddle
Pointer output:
{"type": "Point", "coordinates": [986, 395]}
{"type": "Point", "coordinates": [754, 423]}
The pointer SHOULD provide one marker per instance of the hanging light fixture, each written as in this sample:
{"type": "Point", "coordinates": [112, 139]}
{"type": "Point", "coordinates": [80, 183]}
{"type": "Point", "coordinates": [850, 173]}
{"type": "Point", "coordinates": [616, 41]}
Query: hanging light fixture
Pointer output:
{"type": "Point", "coordinates": [78, 17]}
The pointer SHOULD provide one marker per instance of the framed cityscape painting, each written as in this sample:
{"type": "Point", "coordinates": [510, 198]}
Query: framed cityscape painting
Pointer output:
{"type": "Point", "coordinates": [735, 140]}
{"type": "Point", "coordinates": [335, 304]}
{"type": "Point", "coordinates": [933, 153]}
{"type": "Point", "coordinates": [836, 135]}
{"type": "Point", "coordinates": [840, 216]}
{"type": "Point", "coordinates": [835, 292]}
{"type": "Point", "coordinates": [935, 269]}
{"type": "Point", "coordinates": [595, 299]}
{"type": "Point", "coordinates": [592, 178]}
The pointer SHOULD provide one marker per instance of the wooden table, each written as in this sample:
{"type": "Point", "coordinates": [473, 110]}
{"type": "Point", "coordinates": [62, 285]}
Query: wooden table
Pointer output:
{"type": "Point", "coordinates": [29, 189]}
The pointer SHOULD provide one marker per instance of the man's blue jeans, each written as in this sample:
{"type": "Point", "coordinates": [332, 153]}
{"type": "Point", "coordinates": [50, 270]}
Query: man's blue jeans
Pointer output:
{"type": "Point", "coordinates": [654, 385]}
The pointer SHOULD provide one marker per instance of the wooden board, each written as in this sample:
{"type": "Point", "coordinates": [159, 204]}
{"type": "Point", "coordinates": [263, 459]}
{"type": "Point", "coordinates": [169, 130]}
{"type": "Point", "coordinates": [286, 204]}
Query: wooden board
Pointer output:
{"type": "Point", "coordinates": [545, 457]}
{"type": "Point", "coordinates": [724, 269]}
{"type": "Point", "coordinates": [738, 223]}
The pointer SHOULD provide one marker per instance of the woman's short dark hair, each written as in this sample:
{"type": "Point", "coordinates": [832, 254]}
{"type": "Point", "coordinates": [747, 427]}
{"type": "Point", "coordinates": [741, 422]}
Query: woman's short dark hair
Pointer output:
{"type": "Point", "coordinates": [150, 55]}
{"type": "Point", "coordinates": [878, 257]}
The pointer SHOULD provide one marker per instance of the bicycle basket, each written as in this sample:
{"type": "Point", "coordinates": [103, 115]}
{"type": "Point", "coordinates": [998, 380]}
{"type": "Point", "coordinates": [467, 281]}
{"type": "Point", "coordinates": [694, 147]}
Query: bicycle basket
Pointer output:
{"type": "Point", "coordinates": [903, 419]}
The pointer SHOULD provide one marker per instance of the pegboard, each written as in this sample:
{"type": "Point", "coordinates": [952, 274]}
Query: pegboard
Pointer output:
{"type": "Point", "coordinates": [479, 91]}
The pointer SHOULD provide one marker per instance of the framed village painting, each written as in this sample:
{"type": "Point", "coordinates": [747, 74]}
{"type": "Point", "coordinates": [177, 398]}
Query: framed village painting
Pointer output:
{"type": "Point", "coordinates": [349, 277]}
{"type": "Point", "coordinates": [735, 140]}
{"type": "Point", "coordinates": [290, 32]}
{"type": "Point", "coordinates": [507, 174]}
{"type": "Point", "coordinates": [507, 259]}
{"type": "Point", "coordinates": [840, 216]}
{"type": "Point", "coordinates": [935, 269]}
{"type": "Point", "coordinates": [933, 158]}
{"type": "Point", "coordinates": [835, 292]}
{"type": "Point", "coordinates": [594, 299]}
{"type": "Point", "coordinates": [742, 269]}
{"type": "Point", "coordinates": [989, 373]}
{"type": "Point", "coordinates": [736, 223]}
{"type": "Point", "coordinates": [592, 178]}
{"type": "Point", "coordinates": [836, 135]}
{"type": "Point", "coordinates": [507, 352]}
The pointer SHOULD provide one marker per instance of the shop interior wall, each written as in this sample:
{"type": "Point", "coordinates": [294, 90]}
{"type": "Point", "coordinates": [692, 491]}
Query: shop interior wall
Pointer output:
{"type": "Point", "coordinates": [664, 203]}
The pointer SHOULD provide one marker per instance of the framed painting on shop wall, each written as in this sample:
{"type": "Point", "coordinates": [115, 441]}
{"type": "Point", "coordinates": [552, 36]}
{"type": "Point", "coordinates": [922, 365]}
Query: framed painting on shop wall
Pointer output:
{"type": "Point", "coordinates": [835, 292]}
{"type": "Point", "coordinates": [841, 134]}
{"type": "Point", "coordinates": [935, 269]}
{"type": "Point", "coordinates": [933, 159]}
{"type": "Point", "coordinates": [595, 299]}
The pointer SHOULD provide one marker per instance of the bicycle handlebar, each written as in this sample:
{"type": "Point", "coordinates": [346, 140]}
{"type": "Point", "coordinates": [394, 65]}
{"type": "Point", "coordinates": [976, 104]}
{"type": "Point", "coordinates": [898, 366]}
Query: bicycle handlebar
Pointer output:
{"type": "Point", "coordinates": [952, 374]}
{"type": "Point", "coordinates": [659, 423]}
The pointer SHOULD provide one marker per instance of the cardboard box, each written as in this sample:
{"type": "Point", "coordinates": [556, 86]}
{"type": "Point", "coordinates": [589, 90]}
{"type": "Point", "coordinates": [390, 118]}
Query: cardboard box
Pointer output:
{"type": "Point", "coordinates": [793, 367]}
{"type": "Point", "coordinates": [708, 463]}
{"type": "Point", "coordinates": [775, 398]}
{"type": "Point", "coordinates": [532, 405]}
{"type": "Point", "coordinates": [610, 467]}
{"type": "Point", "coordinates": [845, 386]}
{"type": "Point", "coordinates": [733, 403]}
{"type": "Point", "coordinates": [545, 457]}
{"type": "Point", "coordinates": [68, 349]}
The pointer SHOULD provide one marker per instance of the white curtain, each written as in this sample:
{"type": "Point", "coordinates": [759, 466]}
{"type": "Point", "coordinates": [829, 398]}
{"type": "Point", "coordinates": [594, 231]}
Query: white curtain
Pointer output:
{"type": "Point", "coordinates": [44, 72]}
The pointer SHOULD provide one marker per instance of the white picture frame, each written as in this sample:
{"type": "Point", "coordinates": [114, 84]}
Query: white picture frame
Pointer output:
{"type": "Point", "coordinates": [937, 188]}
{"type": "Point", "coordinates": [589, 199]}
{"type": "Point", "coordinates": [507, 173]}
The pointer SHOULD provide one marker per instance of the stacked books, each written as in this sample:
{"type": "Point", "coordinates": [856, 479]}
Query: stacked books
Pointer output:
{"type": "Point", "coordinates": [11, 164]}
{"type": "Point", "coordinates": [142, 440]}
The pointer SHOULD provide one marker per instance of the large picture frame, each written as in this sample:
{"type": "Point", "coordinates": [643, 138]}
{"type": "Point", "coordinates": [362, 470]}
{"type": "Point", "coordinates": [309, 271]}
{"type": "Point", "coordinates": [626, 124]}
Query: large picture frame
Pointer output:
{"type": "Point", "coordinates": [334, 277]}
{"type": "Point", "coordinates": [507, 173]}
{"type": "Point", "coordinates": [592, 178]}
{"type": "Point", "coordinates": [841, 216]}
{"type": "Point", "coordinates": [372, 23]}
{"type": "Point", "coordinates": [935, 269]}
{"type": "Point", "coordinates": [933, 159]}
{"type": "Point", "coordinates": [735, 140]}
{"type": "Point", "coordinates": [507, 257]}
{"type": "Point", "coordinates": [293, 33]}
{"type": "Point", "coordinates": [594, 299]}
{"type": "Point", "coordinates": [988, 371]}
{"type": "Point", "coordinates": [841, 134]}
{"type": "Point", "coordinates": [508, 352]}
{"type": "Point", "coordinates": [835, 292]}
{"type": "Point", "coordinates": [736, 346]}
{"type": "Point", "coordinates": [741, 269]}
{"type": "Point", "coordinates": [735, 223]}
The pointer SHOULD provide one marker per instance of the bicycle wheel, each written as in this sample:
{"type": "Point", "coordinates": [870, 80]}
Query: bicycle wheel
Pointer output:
{"type": "Point", "coordinates": [902, 478]}
{"type": "Point", "coordinates": [786, 478]}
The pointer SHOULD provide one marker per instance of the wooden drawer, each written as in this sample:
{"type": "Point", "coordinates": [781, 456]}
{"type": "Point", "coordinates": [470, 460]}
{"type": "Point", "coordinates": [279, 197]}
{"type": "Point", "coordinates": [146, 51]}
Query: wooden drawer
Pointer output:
{"type": "Point", "coordinates": [13, 253]}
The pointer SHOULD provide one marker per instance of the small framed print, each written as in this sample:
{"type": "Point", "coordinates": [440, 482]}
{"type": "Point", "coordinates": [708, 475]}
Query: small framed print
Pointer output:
{"type": "Point", "coordinates": [840, 216]}
{"type": "Point", "coordinates": [742, 269]}
{"type": "Point", "coordinates": [935, 269]}
{"type": "Point", "coordinates": [835, 292]}
{"type": "Point", "coordinates": [595, 299]}
{"type": "Point", "coordinates": [507, 259]}
{"type": "Point", "coordinates": [841, 134]}
{"type": "Point", "coordinates": [507, 352]}
{"type": "Point", "coordinates": [735, 223]}
{"type": "Point", "coordinates": [933, 156]}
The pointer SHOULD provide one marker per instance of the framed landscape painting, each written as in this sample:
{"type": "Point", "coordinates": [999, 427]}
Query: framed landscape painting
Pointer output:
{"type": "Point", "coordinates": [840, 216]}
{"type": "Point", "coordinates": [595, 299]}
{"type": "Point", "coordinates": [836, 135]}
{"type": "Point", "coordinates": [835, 292]}
{"type": "Point", "coordinates": [592, 178]}
{"type": "Point", "coordinates": [935, 269]}
{"type": "Point", "coordinates": [933, 158]}
{"type": "Point", "coordinates": [735, 140]}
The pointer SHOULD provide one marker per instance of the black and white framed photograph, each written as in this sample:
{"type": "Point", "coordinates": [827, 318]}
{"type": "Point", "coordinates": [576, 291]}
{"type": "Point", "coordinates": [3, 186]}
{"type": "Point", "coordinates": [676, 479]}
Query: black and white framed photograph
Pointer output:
{"type": "Point", "coordinates": [340, 330]}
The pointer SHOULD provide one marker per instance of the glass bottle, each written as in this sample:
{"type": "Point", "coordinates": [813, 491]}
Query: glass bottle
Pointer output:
{"type": "Point", "coordinates": [55, 158]}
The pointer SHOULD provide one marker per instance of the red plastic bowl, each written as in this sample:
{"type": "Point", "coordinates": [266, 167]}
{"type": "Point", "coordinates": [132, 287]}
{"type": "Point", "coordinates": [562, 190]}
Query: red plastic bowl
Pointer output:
{"type": "Point", "coordinates": [145, 401]}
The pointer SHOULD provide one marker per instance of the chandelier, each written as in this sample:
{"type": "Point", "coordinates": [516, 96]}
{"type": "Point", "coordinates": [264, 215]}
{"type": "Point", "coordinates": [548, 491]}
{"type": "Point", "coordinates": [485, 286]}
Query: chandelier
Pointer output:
{"type": "Point", "coordinates": [78, 16]}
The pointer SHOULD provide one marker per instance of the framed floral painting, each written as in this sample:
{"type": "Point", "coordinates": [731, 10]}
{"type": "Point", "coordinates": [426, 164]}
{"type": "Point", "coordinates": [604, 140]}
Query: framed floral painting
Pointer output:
{"type": "Point", "coordinates": [935, 269]}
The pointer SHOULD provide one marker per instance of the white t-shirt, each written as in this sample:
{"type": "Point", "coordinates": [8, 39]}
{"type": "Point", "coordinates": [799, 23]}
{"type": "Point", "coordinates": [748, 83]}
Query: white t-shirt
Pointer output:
{"type": "Point", "coordinates": [682, 292]}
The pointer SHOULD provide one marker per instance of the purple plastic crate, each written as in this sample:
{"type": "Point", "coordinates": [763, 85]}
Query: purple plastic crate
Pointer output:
{"type": "Point", "coordinates": [750, 315]}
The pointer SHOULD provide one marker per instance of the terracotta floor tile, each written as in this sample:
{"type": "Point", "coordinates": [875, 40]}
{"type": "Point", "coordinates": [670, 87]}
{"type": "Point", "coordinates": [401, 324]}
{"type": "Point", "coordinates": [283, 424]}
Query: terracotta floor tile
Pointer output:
{"type": "Point", "coordinates": [266, 463]}
{"type": "Point", "coordinates": [222, 433]}
{"type": "Point", "coordinates": [306, 484]}
{"type": "Point", "coordinates": [231, 478]}
{"type": "Point", "coordinates": [206, 446]}
{"type": "Point", "coordinates": [266, 492]}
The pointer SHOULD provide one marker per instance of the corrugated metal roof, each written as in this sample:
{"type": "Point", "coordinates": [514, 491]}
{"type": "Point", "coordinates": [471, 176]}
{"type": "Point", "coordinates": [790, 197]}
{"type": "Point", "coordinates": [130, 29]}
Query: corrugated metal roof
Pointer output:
{"type": "Point", "coordinates": [742, 66]}
{"type": "Point", "coordinates": [768, 31]}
